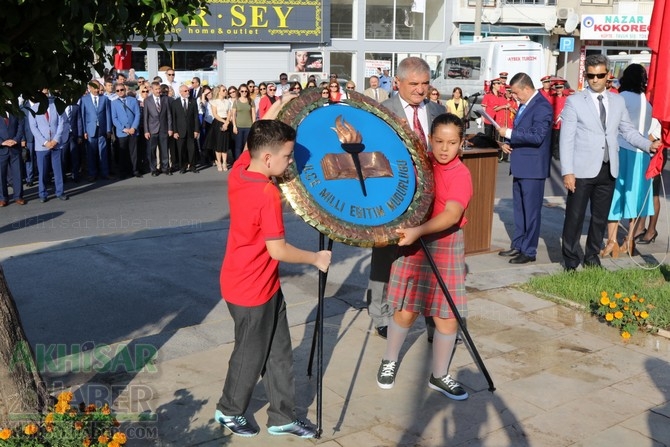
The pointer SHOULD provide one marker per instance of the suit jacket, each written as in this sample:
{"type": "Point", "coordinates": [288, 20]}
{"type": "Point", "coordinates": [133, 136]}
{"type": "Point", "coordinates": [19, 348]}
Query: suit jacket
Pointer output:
{"type": "Point", "coordinates": [583, 139]}
{"type": "Point", "coordinates": [185, 122]}
{"type": "Point", "coordinates": [72, 127]}
{"type": "Point", "coordinates": [155, 121]}
{"type": "Point", "coordinates": [45, 130]}
{"type": "Point", "coordinates": [27, 133]}
{"type": "Point", "coordinates": [126, 116]}
{"type": "Point", "coordinates": [531, 140]}
{"type": "Point", "coordinates": [432, 110]}
{"type": "Point", "coordinates": [382, 94]}
{"type": "Point", "coordinates": [13, 130]}
{"type": "Point", "coordinates": [195, 92]}
{"type": "Point", "coordinates": [93, 118]}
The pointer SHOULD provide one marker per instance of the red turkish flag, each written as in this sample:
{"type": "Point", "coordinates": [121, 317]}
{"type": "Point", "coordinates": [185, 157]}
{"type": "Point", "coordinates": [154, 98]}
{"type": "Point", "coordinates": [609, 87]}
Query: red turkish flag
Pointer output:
{"type": "Point", "coordinates": [122, 54]}
{"type": "Point", "coordinates": [658, 87]}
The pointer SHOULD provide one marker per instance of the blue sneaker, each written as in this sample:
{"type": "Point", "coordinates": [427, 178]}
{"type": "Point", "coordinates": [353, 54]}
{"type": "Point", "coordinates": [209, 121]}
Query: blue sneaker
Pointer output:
{"type": "Point", "coordinates": [237, 424]}
{"type": "Point", "coordinates": [296, 428]}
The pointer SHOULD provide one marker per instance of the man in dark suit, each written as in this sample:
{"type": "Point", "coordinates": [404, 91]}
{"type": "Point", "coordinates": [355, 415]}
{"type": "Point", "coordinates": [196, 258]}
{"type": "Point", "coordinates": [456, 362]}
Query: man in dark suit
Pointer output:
{"type": "Point", "coordinates": [591, 122]}
{"type": "Point", "coordinates": [96, 121]}
{"type": "Point", "coordinates": [11, 134]}
{"type": "Point", "coordinates": [413, 77]}
{"type": "Point", "coordinates": [71, 140]}
{"type": "Point", "coordinates": [126, 119]}
{"type": "Point", "coordinates": [186, 129]}
{"type": "Point", "coordinates": [529, 147]}
{"type": "Point", "coordinates": [195, 88]}
{"type": "Point", "coordinates": [157, 128]}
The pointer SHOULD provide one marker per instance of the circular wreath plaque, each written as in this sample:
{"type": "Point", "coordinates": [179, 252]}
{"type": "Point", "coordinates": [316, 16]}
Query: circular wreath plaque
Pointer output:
{"type": "Point", "coordinates": [361, 191]}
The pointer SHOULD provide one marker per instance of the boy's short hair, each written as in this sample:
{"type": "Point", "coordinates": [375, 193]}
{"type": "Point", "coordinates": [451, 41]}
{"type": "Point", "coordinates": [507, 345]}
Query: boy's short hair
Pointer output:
{"type": "Point", "coordinates": [270, 135]}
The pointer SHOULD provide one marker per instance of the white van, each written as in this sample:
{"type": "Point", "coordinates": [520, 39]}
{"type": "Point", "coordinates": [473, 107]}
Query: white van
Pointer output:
{"type": "Point", "coordinates": [472, 66]}
{"type": "Point", "coordinates": [619, 62]}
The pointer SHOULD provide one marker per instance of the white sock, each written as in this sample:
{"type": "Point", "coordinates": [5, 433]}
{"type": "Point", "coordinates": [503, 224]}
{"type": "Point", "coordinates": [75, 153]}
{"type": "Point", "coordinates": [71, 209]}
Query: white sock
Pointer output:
{"type": "Point", "coordinates": [443, 347]}
{"type": "Point", "coordinates": [395, 337]}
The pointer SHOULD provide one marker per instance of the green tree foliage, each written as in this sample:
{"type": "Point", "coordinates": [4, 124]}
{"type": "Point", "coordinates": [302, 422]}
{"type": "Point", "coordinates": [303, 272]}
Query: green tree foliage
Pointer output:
{"type": "Point", "coordinates": [57, 43]}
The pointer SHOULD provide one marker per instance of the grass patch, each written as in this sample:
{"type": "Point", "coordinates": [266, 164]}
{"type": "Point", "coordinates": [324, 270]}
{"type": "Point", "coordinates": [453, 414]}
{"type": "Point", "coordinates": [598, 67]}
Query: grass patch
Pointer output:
{"type": "Point", "coordinates": [584, 287]}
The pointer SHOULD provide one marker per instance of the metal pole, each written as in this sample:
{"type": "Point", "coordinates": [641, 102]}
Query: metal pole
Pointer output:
{"type": "Point", "coordinates": [322, 291]}
{"type": "Point", "coordinates": [459, 319]}
{"type": "Point", "coordinates": [565, 65]}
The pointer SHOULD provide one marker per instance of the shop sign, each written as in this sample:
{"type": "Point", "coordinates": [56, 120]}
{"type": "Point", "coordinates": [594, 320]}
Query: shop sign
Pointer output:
{"type": "Point", "coordinates": [268, 21]}
{"type": "Point", "coordinates": [615, 27]}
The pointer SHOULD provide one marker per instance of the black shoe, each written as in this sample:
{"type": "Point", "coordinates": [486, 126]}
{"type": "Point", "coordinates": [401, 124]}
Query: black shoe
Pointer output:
{"type": "Point", "coordinates": [182, 171]}
{"type": "Point", "coordinates": [448, 386]}
{"type": "Point", "coordinates": [29, 184]}
{"type": "Point", "coordinates": [44, 199]}
{"type": "Point", "coordinates": [386, 374]}
{"type": "Point", "coordinates": [296, 428]}
{"type": "Point", "coordinates": [63, 197]}
{"type": "Point", "coordinates": [593, 264]}
{"type": "Point", "coordinates": [137, 174]}
{"type": "Point", "coordinates": [195, 171]}
{"type": "Point", "coordinates": [382, 331]}
{"type": "Point", "coordinates": [237, 424]}
{"type": "Point", "coordinates": [155, 173]}
{"type": "Point", "coordinates": [642, 241]}
{"type": "Point", "coordinates": [510, 252]}
{"type": "Point", "coordinates": [168, 172]}
{"type": "Point", "coordinates": [522, 259]}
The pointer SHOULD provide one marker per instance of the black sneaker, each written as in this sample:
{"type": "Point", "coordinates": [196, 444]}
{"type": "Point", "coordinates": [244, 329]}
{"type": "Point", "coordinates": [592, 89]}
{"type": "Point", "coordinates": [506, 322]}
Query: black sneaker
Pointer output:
{"type": "Point", "coordinates": [448, 386]}
{"type": "Point", "coordinates": [386, 374]}
{"type": "Point", "coordinates": [296, 428]}
{"type": "Point", "coordinates": [382, 331]}
{"type": "Point", "coordinates": [237, 424]}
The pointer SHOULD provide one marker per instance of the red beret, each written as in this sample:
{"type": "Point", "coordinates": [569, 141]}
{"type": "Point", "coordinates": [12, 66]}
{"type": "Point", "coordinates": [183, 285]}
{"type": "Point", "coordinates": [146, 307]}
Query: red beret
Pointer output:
{"type": "Point", "coordinates": [503, 74]}
{"type": "Point", "coordinates": [546, 79]}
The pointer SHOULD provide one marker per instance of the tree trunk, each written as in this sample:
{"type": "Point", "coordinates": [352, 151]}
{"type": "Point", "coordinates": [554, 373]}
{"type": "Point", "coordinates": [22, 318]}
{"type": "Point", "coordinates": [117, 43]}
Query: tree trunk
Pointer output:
{"type": "Point", "coordinates": [22, 391]}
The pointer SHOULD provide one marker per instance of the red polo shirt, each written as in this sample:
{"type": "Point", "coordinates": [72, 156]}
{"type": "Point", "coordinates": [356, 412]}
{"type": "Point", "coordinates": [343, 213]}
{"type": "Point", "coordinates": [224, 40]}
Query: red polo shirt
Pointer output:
{"type": "Point", "coordinates": [249, 276]}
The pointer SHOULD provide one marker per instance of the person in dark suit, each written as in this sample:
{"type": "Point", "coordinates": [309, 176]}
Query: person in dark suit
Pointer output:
{"type": "Point", "coordinates": [96, 121]}
{"type": "Point", "coordinates": [30, 159]}
{"type": "Point", "coordinates": [591, 122]}
{"type": "Point", "coordinates": [195, 88]}
{"type": "Point", "coordinates": [126, 119]}
{"type": "Point", "coordinates": [528, 145]}
{"type": "Point", "coordinates": [71, 140]}
{"type": "Point", "coordinates": [413, 77]}
{"type": "Point", "coordinates": [186, 130]}
{"type": "Point", "coordinates": [157, 128]}
{"type": "Point", "coordinates": [47, 129]}
{"type": "Point", "coordinates": [11, 134]}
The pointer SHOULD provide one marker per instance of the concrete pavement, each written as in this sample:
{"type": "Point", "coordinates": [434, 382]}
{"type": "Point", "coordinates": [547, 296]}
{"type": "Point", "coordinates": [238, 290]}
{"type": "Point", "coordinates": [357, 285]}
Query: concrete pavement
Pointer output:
{"type": "Point", "coordinates": [122, 293]}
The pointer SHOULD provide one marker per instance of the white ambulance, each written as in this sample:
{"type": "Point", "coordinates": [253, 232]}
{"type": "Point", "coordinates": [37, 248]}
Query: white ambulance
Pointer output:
{"type": "Point", "coordinates": [472, 66]}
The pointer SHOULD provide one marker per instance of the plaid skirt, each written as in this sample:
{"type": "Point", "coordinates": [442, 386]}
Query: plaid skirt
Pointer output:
{"type": "Point", "coordinates": [413, 286]}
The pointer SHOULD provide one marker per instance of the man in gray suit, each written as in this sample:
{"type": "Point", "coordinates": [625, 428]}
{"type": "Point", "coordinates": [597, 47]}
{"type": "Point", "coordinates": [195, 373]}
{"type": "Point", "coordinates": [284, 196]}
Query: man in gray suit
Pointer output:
{"type": "Point", "coordinates": [591, 121]}
{"type": "Point", "coordinates": [157, 128]}
{"type": "Point", "coordinates": [413, 77]}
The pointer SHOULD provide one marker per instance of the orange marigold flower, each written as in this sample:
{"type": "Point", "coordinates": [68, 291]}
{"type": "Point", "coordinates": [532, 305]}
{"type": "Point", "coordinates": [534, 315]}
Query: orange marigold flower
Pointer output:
{"type": "Point", "coordinates": [105, 409]}
{"type": "Point", "coordinates": [636, 313]}
{"type": "Point", "coordinates": [612, 304]}
{"type": "Point", "coordinates": [103, 439]}
{"type": "Point", "coordinates": [603, 293]}
{"type": "Point", "coordinates": [5, 434]}
{"type": "Point", "coordinates": [642, 300]}
{"type": "Point", "coordinates": [644, 314]}
{"type": "Point", "coordinates": [113, 444]}
{"type": "Point", "coordinates": [65, 396]}
{"type": "Point", "coordinates": [618, 315]}
{"type": "Point", "coordinates": [78, 425]}
{"type": "Point", "coordinates": [626, 308]}
{"type": "Point", "coordinates": [30, 429]}
{"type": "Point", "coordinates": [625, 335]}
{"type": "Point", "coordinates": [91, 408]}
{"type": "Point", "coordinates": [119, 437]}
{"type": "Point", "coordinates": [609, 316]}
{"type": "Point", "coordinates": [633, 298]}
{"type": "Point", "coordinates": [61, 407]}
{"type": "Point", "coordinates": [49, 418]}
{"type": "Point", "coordinates": [626, 300]}
{"type": "Point", "coordinates": [617, 295]}
{"type": "Point", "coordinates": [86, 442]}
{"type": "Point", "coordinates": [604, 300]}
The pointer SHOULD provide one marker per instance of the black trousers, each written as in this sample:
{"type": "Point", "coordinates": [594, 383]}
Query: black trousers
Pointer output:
{"type": "Point", "coordinates": [127, 155]}
{"type": "Point", "coordinates": [598, 192]}
{"type": "Point", "coordinates": [262, 348]}
{"type": "Point", "coordinates": [185, 152]}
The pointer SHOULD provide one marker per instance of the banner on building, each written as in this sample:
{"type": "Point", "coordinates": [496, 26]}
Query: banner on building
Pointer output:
{"type": "Point", "coordinates": [268, 21]}
{"type": "Point", "coordinates": [615, 27]}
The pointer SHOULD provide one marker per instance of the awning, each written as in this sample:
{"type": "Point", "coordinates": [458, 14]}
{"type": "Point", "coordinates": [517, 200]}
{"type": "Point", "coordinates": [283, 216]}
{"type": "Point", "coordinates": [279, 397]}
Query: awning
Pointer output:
{"type": "Point", "coordinates": [508, 30]}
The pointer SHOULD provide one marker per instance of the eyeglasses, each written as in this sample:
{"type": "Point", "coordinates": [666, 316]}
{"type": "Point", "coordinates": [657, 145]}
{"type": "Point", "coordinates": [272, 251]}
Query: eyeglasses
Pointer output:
{"type": "Point", "coordinates": [144, 91]}
{"type": "Point", "coordinates": [283, 79]}
{"type": "Point", "coordinates": [251, 86]}
{"type": "Point", "coordinates": [350, 87]}
{"type": "Point", "coordinates": [334, 86]}
{"type": "Point", "coordinates": [120, 90]}
{"type": "Point", "coordinates": [244, 91]}
{"type": "Point", "coordinates": [325, 92]}
{"type": "Point", "coordinates": [170, 74]}
{"type": "Point", "coordinates": [262, 88]}
{"type": "Point", "coordinates": [272, 89]}
{"type": "Point", "coordinates": [596, 75]}
{"type": "Point", "coordinates": [434, 94]}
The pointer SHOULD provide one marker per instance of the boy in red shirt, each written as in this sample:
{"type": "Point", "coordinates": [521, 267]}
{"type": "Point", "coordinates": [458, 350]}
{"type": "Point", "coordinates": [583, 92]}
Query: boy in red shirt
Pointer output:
{"type": "Point", "coordinates": [250, 285]}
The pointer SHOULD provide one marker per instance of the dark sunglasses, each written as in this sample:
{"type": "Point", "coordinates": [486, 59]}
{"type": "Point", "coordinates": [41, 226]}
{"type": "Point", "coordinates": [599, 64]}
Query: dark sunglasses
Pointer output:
{"type": "Point", "coordinates": [596, 75]}
{"type": "Point", "coordinates": [325, 92]}
{"type": "Point", "coordinates": [244, 91]}
{"type": "Point", "coordinates": [120, 90]}
{"type": "Point", "coordinates": [283, 79]}
{"type": "Point", "coordinates": [144, 91]}
{"type": "Point", "coordinates": [170, 74]}
{"type": "Point", "coordinates": [262, 88]}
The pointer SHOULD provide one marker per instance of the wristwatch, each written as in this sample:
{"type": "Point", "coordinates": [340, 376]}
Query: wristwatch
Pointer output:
{"type": "Point", "coordinates": [359, 173]}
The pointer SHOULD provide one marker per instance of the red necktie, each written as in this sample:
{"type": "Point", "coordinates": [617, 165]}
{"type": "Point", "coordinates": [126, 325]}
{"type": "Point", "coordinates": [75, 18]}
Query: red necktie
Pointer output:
{"type": "Point", "coordinates": [417, 124]}
{"type": "Point", "coordinates": [47, 115]}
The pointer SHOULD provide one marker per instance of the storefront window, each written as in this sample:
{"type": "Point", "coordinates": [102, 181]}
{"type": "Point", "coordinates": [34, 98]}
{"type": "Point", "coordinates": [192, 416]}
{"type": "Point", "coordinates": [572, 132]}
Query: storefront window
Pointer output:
{"type": "Point", "coordinates": [341, 64]}
{"type": "Point", "coordinates": [341, 19]}
{"type": "Point", "coordinates": [187, 60]}
{"type": "Point", "coordinates": [405, 19]}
